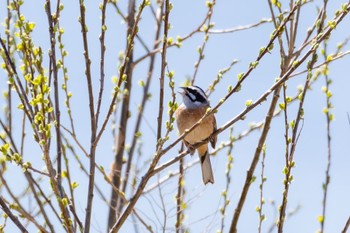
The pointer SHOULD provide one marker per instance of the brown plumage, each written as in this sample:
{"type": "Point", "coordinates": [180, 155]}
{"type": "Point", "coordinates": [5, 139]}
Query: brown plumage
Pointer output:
{"type": "Point", "coordinates": [186, 118]}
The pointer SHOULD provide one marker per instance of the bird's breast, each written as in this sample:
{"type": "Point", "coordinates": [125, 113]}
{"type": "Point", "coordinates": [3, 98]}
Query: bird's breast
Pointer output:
{"type": "Point", "coordinates": [186, 118]}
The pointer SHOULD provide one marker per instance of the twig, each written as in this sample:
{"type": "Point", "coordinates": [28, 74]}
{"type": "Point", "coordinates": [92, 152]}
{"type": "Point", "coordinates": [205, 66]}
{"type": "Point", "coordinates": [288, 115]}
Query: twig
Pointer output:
{"type": "Point", "coordinates": [102, 59]}
{"type": "Point", "coordinates": [162, 74]}
{"type": "Point", "coordinates": [261, 187]}
{"type": "Point", "coordinates": [9, 92]}
{"type": "Point", "coordinates": [229, 165]}
{"type": "Point", "coordinates": [329, 118]}
{"type": "Point", "coordinates": [12, 216]}
{"type": "Point", "coordinates": [92, 153]}
{"type": "Point", "coordinates": [148, 227]}
{"type": "Point", "coordinates": [180, 196]}
{"type": "Point", "coordinates": [206, 37]}
{"type": "Point", "coordinates": [76, 217]}
{"type": "Point", "coordinates": [63, 54]}
{"type": "Point", "coordinates": [239, 28]}
{"type": "Point", "coordinates": [71, 189]}
{"type": "Point", "coordinates": [347, 224]}
{"type": "Point", "coordinates": [162, 207]}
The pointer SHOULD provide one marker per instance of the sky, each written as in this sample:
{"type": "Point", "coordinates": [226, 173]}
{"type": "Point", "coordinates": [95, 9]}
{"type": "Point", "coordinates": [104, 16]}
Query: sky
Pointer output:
{"type": "Point", "coordinates": [203, 202]}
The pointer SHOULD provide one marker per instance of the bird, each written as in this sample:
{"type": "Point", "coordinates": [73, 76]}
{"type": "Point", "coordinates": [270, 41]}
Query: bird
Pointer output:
{"type": "Point", "coordinates": [194, 107]}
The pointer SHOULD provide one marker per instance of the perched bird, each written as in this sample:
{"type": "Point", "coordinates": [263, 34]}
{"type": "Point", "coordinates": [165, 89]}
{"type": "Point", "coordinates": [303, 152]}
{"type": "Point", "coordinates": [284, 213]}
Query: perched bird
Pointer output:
{"type": "Point", "coordinates": [194, 106]}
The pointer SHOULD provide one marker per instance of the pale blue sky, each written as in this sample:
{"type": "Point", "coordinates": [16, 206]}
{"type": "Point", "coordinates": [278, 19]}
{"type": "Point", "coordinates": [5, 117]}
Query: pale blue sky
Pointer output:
{"type": "Point", "coordinates": [202, 214]}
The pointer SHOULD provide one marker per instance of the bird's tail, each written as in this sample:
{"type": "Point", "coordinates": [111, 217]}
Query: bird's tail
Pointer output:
{"type": "Point", "coordinates": [207, 171]}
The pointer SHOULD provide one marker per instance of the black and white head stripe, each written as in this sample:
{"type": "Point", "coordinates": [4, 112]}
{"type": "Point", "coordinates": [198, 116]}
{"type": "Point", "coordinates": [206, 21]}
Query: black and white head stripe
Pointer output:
{"type": "Point", "coordinates": [196, 94]}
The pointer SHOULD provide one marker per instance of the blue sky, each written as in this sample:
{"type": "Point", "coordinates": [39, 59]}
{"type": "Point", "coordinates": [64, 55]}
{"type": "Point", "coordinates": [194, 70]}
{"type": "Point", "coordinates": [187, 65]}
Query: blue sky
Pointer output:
{"type": "Point", "coordinates": [203, 202]}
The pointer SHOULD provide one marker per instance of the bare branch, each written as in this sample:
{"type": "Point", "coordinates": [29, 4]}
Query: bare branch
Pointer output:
{"type": "Point", "coordinates": [11, 215]}
{"type": "Point", "coordinates": [347, 224]}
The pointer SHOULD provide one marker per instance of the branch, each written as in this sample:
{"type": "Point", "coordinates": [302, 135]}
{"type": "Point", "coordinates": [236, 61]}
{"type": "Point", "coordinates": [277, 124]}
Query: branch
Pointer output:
{"type": "Point", "coordinates": [347, 224]}
{"type": "Point", "coordinates": [162, 74]}
{"type": "Point", "coordinates": [206, 38]}
{"type": "Point", "coordinates": [92, 153]}
{"type": "Point", "coordinates": [102, 59]}
{"type": "Point", "coordinates": [239, 28]}
{"type": "Point", "coordinates": [12, 216]}
{"type": "Point", "coordinates": [180, 197]}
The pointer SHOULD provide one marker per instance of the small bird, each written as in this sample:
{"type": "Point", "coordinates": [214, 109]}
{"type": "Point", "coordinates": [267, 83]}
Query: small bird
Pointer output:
{"type": "Point", "coordinates": [194, 106]}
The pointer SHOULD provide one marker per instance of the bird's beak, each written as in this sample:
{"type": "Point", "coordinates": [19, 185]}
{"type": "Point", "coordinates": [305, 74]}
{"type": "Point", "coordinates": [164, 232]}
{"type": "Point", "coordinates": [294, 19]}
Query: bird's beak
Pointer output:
{"type": "Point", "coordinates": [183, 91]}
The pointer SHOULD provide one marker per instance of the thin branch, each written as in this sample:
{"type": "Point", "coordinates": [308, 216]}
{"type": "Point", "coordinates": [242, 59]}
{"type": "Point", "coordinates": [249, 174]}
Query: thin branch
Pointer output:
{"type": "Point", "coordinates": [12, 216]}
{"type": "Point", "coordinates": [92, 153]}
{"type": "Point", "coordinates": [261, 187]}
{"type": "Point", "coordinates": [347, 224]}
{"type": "Point", "coordinates": [224, 193]}
{"type": "Point", "coordinates": [239, 28]}
{"type": "Point", "coordinates": [162, 207]}
{"type": "Point", "coordinates": [102, 59]}
{"type": "Point", "coordinates": [180, 197]}
{"type": "Point", "coordinates": [162, 74]}
{"type": "Point", "coordinates": [9, 92]}
{"type": "Point", "coordinates": [329, 117]}
{"type": "Point", "coordinates": [206, 38]}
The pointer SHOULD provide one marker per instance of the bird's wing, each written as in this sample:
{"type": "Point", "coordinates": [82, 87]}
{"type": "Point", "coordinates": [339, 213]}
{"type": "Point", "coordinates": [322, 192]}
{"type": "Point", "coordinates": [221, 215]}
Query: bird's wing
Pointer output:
{"type": "Point", "coordinates": [214, 138]}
